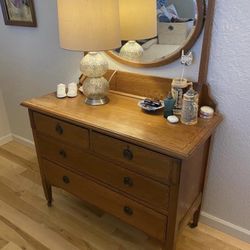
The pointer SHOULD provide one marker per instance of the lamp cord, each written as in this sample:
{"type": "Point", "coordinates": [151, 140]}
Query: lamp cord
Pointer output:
{"type": "Point", "coordinates": [111, 77]}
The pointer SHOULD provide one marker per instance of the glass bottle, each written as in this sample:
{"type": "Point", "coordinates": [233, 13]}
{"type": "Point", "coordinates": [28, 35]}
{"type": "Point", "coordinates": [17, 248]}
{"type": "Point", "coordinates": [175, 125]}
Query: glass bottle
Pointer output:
{"type": "Point", "coordinates": [169, 103]}
{"type": "Point", "coordinates": [189, 113]}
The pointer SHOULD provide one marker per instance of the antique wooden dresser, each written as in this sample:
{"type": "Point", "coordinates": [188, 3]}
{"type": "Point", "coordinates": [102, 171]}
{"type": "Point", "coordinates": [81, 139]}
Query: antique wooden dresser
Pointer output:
{"type": "Point", "coordinates": [133, 165]}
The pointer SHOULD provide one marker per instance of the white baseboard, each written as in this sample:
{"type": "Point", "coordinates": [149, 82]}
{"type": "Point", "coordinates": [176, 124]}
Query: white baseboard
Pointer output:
{"type": "Point", "coordinates": [23, 140]}
{"type": "Point", "coordinates": [226, 227]}
{"type": "Point", "coordinates": [5, 139]}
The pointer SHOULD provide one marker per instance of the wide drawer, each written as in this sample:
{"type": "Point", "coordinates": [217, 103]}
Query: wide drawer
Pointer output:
{"type": "Point", "coordinates": [137, 158]}
{"type": "Point", "coordinates": [143, 218]}
{"type": "Point", "coordinates": [145, 189]}
{"type": "Point", "coordinates": [61, 130]}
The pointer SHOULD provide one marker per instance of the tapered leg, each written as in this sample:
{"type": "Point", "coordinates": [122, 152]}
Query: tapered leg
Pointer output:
{"type": "Point", "coordinates": [47, 192]}
{"type": "Point", "coordinates": [196, 218]}
{"type": "Point", "coordinates": [169, 246]}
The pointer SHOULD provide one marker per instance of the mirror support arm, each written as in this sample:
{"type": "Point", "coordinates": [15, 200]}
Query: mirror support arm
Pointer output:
{"type": "Point", "coordinates": [205, 54]}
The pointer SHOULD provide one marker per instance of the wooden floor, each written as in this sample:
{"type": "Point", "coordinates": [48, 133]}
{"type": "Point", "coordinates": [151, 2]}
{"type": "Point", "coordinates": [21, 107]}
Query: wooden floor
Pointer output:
{"type": "Point", "coordinates": [27, 223]}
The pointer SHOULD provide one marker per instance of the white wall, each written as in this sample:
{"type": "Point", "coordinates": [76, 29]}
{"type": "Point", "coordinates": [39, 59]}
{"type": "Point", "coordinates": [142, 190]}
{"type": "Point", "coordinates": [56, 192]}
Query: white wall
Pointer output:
{"type": "Point", "coordinates": [228, 187]}
{"type": "Point", "coordinates": [31, 64]}
{"type": "Point", "coordinates": [4, 123]}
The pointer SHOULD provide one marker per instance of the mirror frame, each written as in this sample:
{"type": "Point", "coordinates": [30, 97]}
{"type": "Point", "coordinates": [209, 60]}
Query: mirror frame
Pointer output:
{"type": "Point", "coordinates": [201, 10]}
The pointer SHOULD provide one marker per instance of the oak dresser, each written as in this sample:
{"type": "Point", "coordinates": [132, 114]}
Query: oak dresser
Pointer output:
{"type": "Point", "coordinates": [130, 164]}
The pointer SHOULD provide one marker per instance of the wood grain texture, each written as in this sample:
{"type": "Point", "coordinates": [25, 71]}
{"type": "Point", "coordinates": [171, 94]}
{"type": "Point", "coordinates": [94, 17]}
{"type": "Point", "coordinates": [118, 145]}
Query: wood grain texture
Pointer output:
{"type": "Point", "coordinates": [152, 193]}
{"type": "Point", "coordinates": [125, 209]}
{"type": "Point", "coordinates": [60, 130]}
{"type": "Point", "coordinates": [71, 220]}
{"type": "Point", "coordinates": [141, 160]}
{"type": "Point", "coordinates": [126, 119]}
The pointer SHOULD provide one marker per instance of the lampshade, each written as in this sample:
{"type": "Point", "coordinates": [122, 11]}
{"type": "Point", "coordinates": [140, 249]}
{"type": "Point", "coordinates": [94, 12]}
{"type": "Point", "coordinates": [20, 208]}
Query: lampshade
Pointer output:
{"type": "Point", "coordinates": [89, 25]}
{"type": "Point", "coordinates": [138, 19]}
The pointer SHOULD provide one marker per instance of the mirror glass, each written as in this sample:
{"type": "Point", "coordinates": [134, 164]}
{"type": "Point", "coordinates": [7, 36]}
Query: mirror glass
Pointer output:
{"type": "Point", "coordinates": [179, 23]}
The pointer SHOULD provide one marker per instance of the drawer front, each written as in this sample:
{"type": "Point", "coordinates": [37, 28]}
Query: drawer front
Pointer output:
{"type": "Point", "coordinates": [137, 158]}
{"type": "Point", "coordinates": [61, 130]}
{"type": "Point", "coordinates": [143, 218]}
{"type": "Point", "coordinates": [151, 192]}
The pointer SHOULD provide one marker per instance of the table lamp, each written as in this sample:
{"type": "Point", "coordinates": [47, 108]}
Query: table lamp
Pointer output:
{"type": "Point", "coordinates": [138, 20]}
{"type": "Point", "coordinates": [90, 26]}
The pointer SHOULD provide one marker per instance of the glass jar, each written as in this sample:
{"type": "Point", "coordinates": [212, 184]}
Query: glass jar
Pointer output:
{"type": "Point", "coordinates": [179, 88]}
{"type": "Point", "coordinates": [189, 113]}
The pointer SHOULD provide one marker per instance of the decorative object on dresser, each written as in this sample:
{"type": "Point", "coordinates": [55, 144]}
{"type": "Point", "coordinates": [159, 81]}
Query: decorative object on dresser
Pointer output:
{"type": "Point", "coordinates": [169, 103]}
{"type": "Point", "coordinates": [19, 12]}
{"type": "Point", "coordinates": [206, 112]}
{"type": "Point", "coordinates": [90, 26]}
{"type": "Point", "coordinates": [138, 21]}
{"type": "Point", "coordinates": [145, 171]}
{"type": "Point", "coordinates": [190, 107]}
{"type": "Point", "coordinates": [179, 88]}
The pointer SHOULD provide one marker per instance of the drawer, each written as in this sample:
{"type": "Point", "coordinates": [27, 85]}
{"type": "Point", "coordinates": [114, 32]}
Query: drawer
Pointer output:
{"type": "Point", "coordinates": [61, 130]}
{"type": "Point", "coordinates": [131, 212]}
{"type": "Point", "coordinates": [139, 159]}
{"type": "Point", "coordinates": [145, 189]}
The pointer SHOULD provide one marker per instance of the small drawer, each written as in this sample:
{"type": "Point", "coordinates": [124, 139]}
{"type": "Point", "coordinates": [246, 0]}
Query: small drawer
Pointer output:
{"type": "Point", "coordinates": [61, 130]}
{"type": "Point", "coordinates": [143, 218]}
{"type": "Point", "coordinates": [139, 159]}
{"type": "Point", "coordinates": [153, 193]}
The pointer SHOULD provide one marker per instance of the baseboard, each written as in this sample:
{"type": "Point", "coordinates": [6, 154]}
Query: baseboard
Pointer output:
{"type": "Point", "coordinates": [225, 226]}
{"type": "Point", "coordinates": [5, 139]}
{"type": "Point", "coordinates": [23, 140]}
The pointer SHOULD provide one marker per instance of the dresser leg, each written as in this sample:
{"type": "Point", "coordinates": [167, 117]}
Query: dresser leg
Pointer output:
{"type": "Point", "coordinates": [48, 193]}
{"type": "Point", "coordinates": [196, 218]}
{"type": "Point", "coordinates": [169, 246]}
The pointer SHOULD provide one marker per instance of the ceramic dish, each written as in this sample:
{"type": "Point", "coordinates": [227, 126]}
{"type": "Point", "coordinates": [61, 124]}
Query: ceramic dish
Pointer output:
{"type": "Point", "coordinates": [148, 108]}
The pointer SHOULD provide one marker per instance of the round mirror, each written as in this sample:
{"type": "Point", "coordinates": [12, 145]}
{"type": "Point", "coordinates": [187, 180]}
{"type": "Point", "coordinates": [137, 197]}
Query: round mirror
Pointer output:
{"type": "Point", "coordinates": [178, 24]}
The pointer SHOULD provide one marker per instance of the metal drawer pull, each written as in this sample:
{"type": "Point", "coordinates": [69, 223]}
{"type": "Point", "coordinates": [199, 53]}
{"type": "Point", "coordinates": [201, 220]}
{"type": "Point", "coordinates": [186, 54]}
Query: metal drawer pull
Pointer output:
{"type": "Point", "coordinates": [59, 129]}
{"type": "Point", "coordinates": [128, 154]}
{"type": "Point", "coordinates": [66, 179]}
{"type": "Point", "coordinates": [128, 181]}
{"type": "Point", "coordinates": [128, 210]}
{"type": "Point", "coordinates": [63, 153]}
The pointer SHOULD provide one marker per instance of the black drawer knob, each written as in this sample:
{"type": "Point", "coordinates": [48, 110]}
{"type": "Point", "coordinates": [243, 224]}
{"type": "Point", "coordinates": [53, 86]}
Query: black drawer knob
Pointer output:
{"type": "Point", "coordinates": [66, 179]}
{"type": "Point", "coordinates": [127, 153]}
{"type": "Point", "coordinates": [128, 181]}
{"type": "Point", "coordinates": [128, 210]}
{"type": "Point", "coordinates": [59, 129]}
{"type": "Point", "coordinates": [171, 27]}
{"type": "Point", "coordinates": [63, 153]}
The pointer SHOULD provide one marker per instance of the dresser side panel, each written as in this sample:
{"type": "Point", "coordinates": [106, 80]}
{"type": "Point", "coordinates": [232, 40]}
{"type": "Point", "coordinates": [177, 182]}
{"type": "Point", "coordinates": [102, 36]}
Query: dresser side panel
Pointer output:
{"type": "Point", "coordinates": [192, 177]}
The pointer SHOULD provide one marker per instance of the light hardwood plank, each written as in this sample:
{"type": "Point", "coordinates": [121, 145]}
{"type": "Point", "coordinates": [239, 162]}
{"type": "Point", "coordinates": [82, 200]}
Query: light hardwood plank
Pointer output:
{"type": "Point", "coordinates": [11, 246]}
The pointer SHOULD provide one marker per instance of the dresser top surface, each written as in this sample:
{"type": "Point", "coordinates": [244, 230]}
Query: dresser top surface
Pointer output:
{"type": "Point", "coordinates": [122, 118]}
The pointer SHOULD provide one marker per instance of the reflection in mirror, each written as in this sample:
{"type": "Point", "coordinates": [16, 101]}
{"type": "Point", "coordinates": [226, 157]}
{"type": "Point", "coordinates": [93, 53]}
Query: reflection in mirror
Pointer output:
{"type": "Point", "coordinates": [136, 26]}
{"type": "Point", "coordinates": [176, 24]}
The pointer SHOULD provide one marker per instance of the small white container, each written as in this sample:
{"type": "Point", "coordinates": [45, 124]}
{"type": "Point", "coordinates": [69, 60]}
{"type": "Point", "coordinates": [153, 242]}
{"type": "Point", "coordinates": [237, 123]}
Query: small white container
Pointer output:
{"type": "Point", "coordinates": [72, 90]}
{"type": "Point", "coordinates": [206, 112]}
{"type": "Point", "coordinates": [173, 119]}
{"type": "Point", "coordinates": [61, 90]}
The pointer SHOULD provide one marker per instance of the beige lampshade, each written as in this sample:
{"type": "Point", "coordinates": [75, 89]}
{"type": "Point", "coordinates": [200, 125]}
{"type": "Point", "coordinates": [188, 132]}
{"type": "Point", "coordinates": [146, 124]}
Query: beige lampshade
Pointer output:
{"type": "Point", "coordinates": [138, 19]}
{"type": "Point", "coordinates": [89, 25]}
